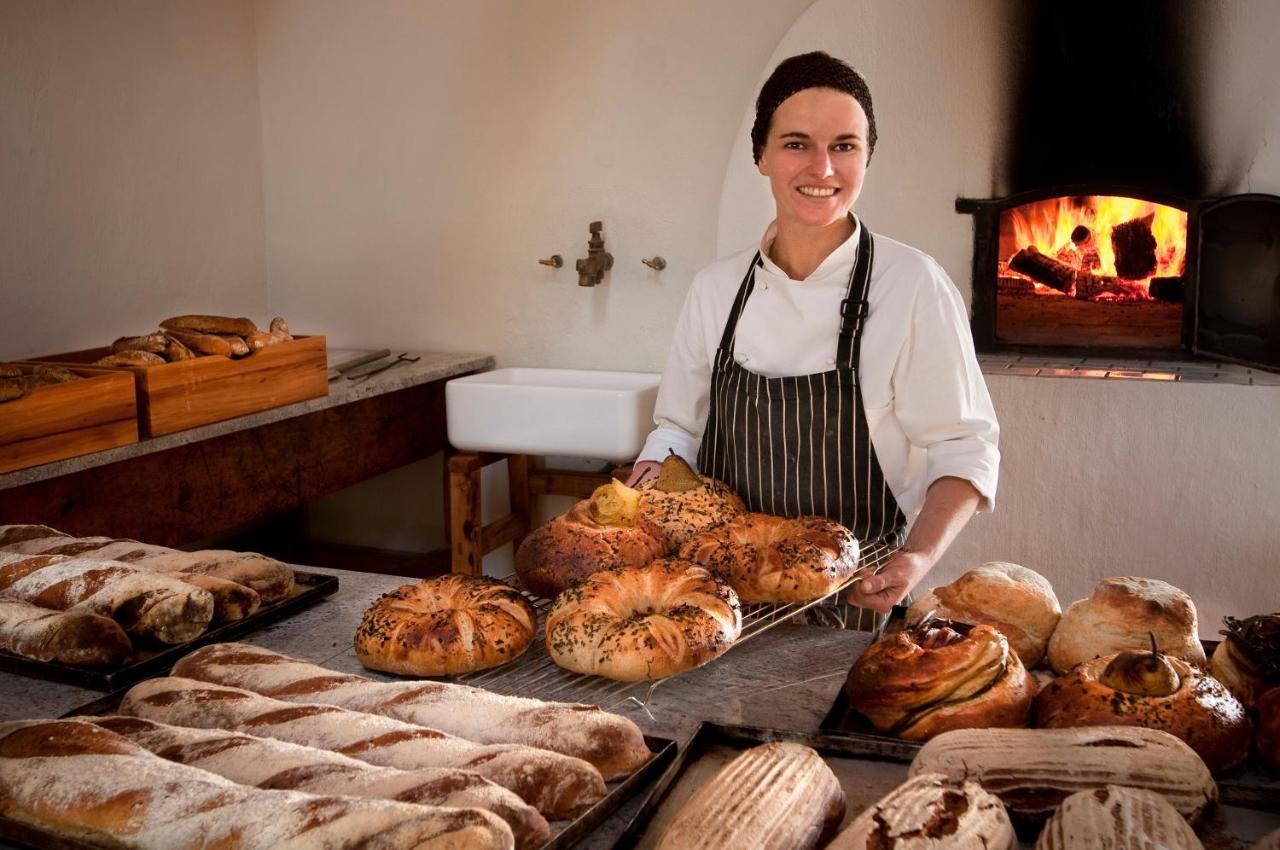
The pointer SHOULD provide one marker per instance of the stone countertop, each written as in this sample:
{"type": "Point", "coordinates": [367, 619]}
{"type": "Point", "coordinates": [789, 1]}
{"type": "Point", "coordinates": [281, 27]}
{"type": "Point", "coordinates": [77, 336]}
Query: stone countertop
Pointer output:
{"type": "Point", "coordinates": [431, 366]}
{"type": "Point", "coordinates": [784, 678]}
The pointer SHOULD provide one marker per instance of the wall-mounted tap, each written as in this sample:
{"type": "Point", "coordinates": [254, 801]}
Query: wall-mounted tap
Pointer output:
{"type": "Point", "coordinates": [598, 261]}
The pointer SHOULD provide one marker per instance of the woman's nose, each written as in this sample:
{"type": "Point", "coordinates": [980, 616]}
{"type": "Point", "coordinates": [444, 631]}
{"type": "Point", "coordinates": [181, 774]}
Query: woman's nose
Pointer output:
{"type": "Point", "coordinates": [820, 164]}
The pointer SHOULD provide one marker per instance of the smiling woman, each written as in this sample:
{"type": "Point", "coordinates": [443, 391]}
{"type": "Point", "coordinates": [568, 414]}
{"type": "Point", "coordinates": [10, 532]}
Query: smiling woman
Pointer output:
{"type": "Point", "coordinates": [831, 372]}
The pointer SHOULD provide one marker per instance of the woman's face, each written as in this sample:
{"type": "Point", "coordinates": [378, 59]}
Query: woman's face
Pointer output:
{"type": "Point", "coordinates": [816, 156]}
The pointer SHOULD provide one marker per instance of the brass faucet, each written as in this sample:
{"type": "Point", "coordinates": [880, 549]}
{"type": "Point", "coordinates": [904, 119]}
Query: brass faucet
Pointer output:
{"type": "Point", "coordinates": [591, 270]}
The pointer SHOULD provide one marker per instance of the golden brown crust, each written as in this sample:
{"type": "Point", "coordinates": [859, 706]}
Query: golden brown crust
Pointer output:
{"type": "Point", "coordinates": [78, 640]}
{"type": "Point", "coordinates": [12, 389]}
{"type": "Point", "coordinates": [239, 348]}
{"type": "Point", "coordinates": [1201, 711]}
{"type": "Point", "coordinates": [910, 686]}
{"type": "Point", "coordinates": [643, 622]}
{"type": "Point", "coordinates": [175, 351]}
{"type": "Point", "coordinates": [1267, 738]}
{"type": "Point", "coordinates": [131, 359]}
{"type": "Point", "coordinates": [571, 547]}
{"type": "Point", "coordinates": [1017, 601]}
{"type": "Point", "coordinates": [445, 626]}
{"type": "Point", "coordinates": [209, 325]}
{"type": "Point", "coordinates": [683, 514]}
{"type": "Point", "coordinates": [201, 343]}
{"type": "Point", "coordinates": [771, 559]}
{"type": "Point", "coordinates": [1119, 615]}
{"type": "Point", "coordinates": [155, 343]}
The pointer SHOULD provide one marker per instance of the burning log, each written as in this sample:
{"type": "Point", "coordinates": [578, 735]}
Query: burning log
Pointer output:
{"type": "Point", "coordinates": [1170, 289]}
{"type": "Point", "coordinates": [1044, 269]}
{"type": "Point", "coordinates": [1135, 248]}
{"type": "Point", "coordinates": [1010, 285]}
{"type": "Point", "coordinates": [1088, 285]}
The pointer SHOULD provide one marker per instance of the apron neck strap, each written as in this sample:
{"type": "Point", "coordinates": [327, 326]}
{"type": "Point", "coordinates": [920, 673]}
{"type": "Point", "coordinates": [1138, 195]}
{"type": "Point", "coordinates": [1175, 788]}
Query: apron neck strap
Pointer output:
{"type": "Point", "coordinates": [744, 290]}
{"type": "Point", "coordinates": [854, 307]}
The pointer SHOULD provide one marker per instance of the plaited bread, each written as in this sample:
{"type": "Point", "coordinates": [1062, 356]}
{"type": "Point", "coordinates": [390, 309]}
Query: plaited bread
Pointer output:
{"type": "Point", "coordinates": [1119, 615]}
{"type": "Point", "coordinates": [1033, 770]}
{"type": "Point", "coordinates": [643, 622]}
{"type": "Point", "coordinates": [444, 626]}
{"type": "Point", "coordinates": [267, 577]}
{"type": "Point", "coordinates": [1017, 601]}
{"type": "Point", "coordinates": [930, 812]}
{"type": "Point", "coordinates": [919, 683]}
{"type": "Point", "coordinates": [145, 604]}
{"type": "Point", "coordinates": [614, 744]}
{"type": "Point", "coordinates": [777, 796]}
{"type": "Point", "coordinates": [267, 763]}
{"type": "Point", "coordinates": [1200, 710]}
{"type": "Point", "coordinates": [572, 546]}
{"type": "Point", "coordinates": [556, 785]}
{"type": "Point", "coordinates": [1267, 737]}
{"type": "Point", "coordinates": [771, 559]}
{"type": "Point", "coordinates": [79, 640]}
{"type": "Point", "coordinates": [1120, 818]}
{"type": "Point", "coordinates": [682, 514]}
{"type": "Point", "coordinates": [85, 783]}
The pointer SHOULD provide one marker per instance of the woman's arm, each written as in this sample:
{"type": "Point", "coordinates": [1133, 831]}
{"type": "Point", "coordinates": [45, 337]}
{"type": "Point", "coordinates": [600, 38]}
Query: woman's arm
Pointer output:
{"type": "Point", "coordinates": [948, 505]}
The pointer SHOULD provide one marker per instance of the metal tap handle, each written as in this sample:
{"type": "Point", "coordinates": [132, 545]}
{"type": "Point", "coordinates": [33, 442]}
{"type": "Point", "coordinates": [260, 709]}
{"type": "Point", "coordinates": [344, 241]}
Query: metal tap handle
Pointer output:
{"type": "Point", "coordinates": [555, 261]}
{"type": "Point", "coordinates": [657, 263]}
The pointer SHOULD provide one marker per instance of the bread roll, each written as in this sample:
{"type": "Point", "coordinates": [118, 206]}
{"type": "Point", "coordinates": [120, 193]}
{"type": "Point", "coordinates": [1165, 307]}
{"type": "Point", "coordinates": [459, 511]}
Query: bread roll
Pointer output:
{"type": "Point", "coordinates": [777, 796]}
{"type": "Point", "coordinates": [614, 744]}
{"type": "Point", "coordinates": [1120, 615]}
{"type": "Point", "coordinates": [571, 547]}
{"type": "Point", "coordinates": [1017, 601]}
{"type": "Point", "coordinates": [919, 683]}
{"type": "Point", "coordinates": [147, 605]}
{"type": "Point", "coordinates": [85, 783]}
{"type": "Point", "coordinates": [1247, 660]}
{"type": "Point", "coordinates": [556, 785]}
{"type": "Point", "coordinates": [683, 513]}
{"type": "Point", "coordinates": [1033, 770]}
{"type": "Point", "coordinates": [643, 622]}
{"type": "Point", "coordinates": [1117, 817]}
{"type": "Point", "coordinates": [267, 763]}
{"type": "Point", "coordinates": [930, 812]}
{"type": "Point", "coordinates": [1267, 739]}
{"type": "Point", "coordinates": [771, 559]}
{"type": "Point", "coordinates": [444, 626]}
{"type": "Point", "coordinates": [78, 640]}
{"type": "Point", "coordinates": [1198, 709]}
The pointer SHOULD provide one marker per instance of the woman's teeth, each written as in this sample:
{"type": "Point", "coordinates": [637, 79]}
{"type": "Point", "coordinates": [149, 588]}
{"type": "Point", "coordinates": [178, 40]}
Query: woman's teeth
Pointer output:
{"type": "Point", "coordinates": [817, 191]}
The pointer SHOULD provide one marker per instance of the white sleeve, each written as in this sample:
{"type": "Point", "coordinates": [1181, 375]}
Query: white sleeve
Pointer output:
{"type": "Point", "coordinates": [940, 397]}
{"type": "Point", "coordinates": [684, 394]}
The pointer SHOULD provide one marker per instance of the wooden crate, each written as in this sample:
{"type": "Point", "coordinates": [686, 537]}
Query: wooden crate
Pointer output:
{"type": "Point", "coordinates": [190, 393]}
{"type": "Point", "coordinates": [59, 421]}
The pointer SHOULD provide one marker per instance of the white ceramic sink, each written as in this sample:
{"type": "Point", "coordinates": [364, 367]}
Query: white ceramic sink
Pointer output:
{"type": "Point", "coordinates": [564, 412]}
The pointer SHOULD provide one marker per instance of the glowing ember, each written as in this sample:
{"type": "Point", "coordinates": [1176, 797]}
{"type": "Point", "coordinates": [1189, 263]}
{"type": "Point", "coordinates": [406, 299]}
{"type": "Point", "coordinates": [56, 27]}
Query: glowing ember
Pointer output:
{"type": "Point", "coordinates": [1099, 248]}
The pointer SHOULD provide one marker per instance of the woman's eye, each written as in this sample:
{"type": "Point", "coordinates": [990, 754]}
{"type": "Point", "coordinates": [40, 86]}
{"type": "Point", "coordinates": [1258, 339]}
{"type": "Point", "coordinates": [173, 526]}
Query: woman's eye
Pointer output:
{"type": "Point", "coordinates": [794, 146]}
{"type": "Point", "coordinates": [845, 147]}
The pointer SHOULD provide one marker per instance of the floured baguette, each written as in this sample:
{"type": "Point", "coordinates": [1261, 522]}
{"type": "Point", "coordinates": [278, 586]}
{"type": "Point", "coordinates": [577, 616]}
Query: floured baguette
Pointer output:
{"type": "Point", "coordinates": [82, 782]}
{"type": "Point", "coordinates": [1033, 770]}
{"type": "Point", "coordinates": [1117, 817]}
{"type": "Point", "coordinates": [79, 640]}
{"type": "Point", "coordinates": [268, 763]}
{"type": "Point", "coordinates": [930, 812]}
{"type": "Point", "coordinates": [614, 744]}
{"type": "Point", "coordinates": [145, 604]}
{"type": "Point", "coordinates": [777, 796]}
{"type": "Point", "coordinates": [556, 785]}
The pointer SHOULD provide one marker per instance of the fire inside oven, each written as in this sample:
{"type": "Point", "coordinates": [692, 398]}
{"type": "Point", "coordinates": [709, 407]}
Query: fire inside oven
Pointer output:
{"type": "Point", "coordinates": [1091, 271]}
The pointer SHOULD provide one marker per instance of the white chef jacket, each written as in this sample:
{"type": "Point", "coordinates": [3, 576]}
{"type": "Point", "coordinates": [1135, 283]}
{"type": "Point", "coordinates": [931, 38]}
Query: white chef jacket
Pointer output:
{"type": "Point", "coordinates": [927, 406]}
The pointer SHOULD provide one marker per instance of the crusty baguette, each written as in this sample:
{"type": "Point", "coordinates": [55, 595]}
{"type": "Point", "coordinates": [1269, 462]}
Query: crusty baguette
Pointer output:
{"type": "Point", "coordinates": [147, 605]}
{"type": "Point", "coordinates": [280, 329]}
{"type": "Point", "coordinates": [930, 812]}
{"type": "Point", "coordinates": [78, 640]}
{"type": "Point", "coordinates": [556, 785]}
{"type": "Point", "coordinates": [155, 343]}
{"type": "Point", "coordinates": [1033, 770]}
{"type": "Point", "coordinates": [202, 343]}
{"type": "Point", "coordinates": [175, 351]}
{"type": "Point", "coordinates": [210, 325]}
{"type": "Point", "coordinates": [239, 348]}
{"type": "Point", "coordinates": [261, 339]}
{"type": "Point", "coordinates": [614, 744]}
{"type": "Point", "coordinates": [777, 796]}
{"type": "Point", "coordinates": [1117, 817]}
{"type": "Point", "coordinates": [268, 763]}
{"type": "Point", "coordinates": [12, 389]}
{"type": "Point", "coordinates": [83, 782]}
{"type": "Point", "coordinates": [47, 373]}
{"type": "Point", "coordinates": [131, 359]}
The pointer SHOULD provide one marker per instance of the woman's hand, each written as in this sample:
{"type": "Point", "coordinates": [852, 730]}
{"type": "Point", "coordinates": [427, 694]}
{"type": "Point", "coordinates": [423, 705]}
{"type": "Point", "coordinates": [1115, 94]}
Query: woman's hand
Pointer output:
{"type": "Point", "coordinates": [643, 471]}
{"type": "Point", "coordinates": [897, 577]}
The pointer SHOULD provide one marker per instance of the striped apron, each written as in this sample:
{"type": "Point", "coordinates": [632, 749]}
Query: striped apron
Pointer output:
{"type": "Point", "coordinates": [800, 445]}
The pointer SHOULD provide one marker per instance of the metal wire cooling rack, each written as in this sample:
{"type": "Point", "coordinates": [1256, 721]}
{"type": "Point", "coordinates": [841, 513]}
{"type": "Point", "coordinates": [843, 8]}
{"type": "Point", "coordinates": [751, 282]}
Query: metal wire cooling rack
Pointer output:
{"type": "Point", "coordinates": [534, 674]}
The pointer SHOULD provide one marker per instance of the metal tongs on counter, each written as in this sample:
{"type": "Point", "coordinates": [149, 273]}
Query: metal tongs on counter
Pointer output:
{"type": "Point", "coordinates": [366, 374]}
{"type": "Point", "coordinates": [355, 362]}
{"type": "Point", "coordinates": [366, 365]}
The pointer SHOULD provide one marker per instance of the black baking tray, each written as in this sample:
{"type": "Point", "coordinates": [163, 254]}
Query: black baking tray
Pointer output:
{"type": "Point", "coordinates": [151, 660]}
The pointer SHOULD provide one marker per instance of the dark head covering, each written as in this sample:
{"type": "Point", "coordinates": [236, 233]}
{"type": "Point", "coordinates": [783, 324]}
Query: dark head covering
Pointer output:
{"type": "Point", "coordinates": [809, 71]}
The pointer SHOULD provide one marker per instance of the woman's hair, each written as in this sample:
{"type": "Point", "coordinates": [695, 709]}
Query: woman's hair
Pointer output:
{"type": "Point", "coordinates": [809, 71]}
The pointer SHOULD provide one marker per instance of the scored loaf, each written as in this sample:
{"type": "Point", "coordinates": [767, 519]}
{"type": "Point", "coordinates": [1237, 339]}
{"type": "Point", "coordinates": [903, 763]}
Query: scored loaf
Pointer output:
{"type": "Point", "coordinates": [557, 786]}
{"type": "Point", "coordinates": [1119, 817]}
{"type": "Point", "coordinates": [777, 796]}
{"type": "Point", "coordinates": [268, 763]}
{"type": "Point", "coordinates": [145, 604]}
{"type": "Point", "coordinates": [79, 640]}
{"type": "Point", "coordinates": [930, 812]}
{"type": "Point", "coordinates": [615, 745]}
{"type": "Point", "coordinates": [85, 783]}
{"type": "Point", "coordinates": [1033, 770]}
